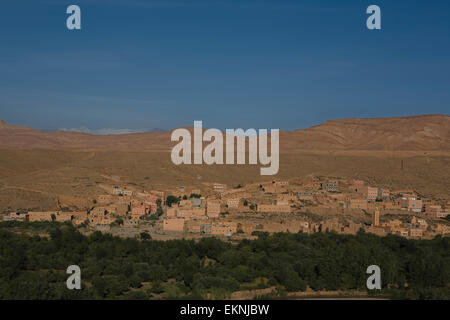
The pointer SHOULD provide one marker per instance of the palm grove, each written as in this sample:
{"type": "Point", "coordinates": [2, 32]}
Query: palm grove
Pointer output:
{"type": "Point", "coordinates": [33, 266]}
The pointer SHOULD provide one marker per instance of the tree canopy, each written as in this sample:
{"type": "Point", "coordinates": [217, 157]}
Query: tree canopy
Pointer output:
{"type": "Point", "coordinates": [33, 267]}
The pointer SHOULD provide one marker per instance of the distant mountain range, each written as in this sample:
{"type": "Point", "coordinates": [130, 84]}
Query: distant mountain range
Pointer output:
{"type": "Point", "coordinates": [415, 133]}
{"type": "Point", "coordinates": [106, 131]}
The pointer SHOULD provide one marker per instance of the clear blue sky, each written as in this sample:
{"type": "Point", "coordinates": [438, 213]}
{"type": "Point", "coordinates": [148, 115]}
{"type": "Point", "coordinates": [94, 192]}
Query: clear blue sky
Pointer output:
{"type": "Point", "coordinates": [251, 64]}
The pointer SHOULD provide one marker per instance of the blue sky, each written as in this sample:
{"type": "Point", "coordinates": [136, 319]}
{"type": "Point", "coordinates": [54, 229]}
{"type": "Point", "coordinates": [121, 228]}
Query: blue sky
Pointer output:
{"type": "Point", "coordinates": [252, 64]}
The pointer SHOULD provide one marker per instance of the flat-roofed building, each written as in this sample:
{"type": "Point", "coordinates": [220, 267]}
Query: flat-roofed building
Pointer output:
{"type": "Point", "coordinates": [184, 213]}
{"type": "Point", "coordinates": [369, 193]}
{"type": "Point", "coordinates": [16, 216]}
{"type": "Point", "coordinates": [100, 216]}
{"type": "Point", "coordinates": [140, 211]}
{"type": "Point", "coordinates": [411, 203]}
{"type": "Point", "coordinates": [173, 224]}
{"type": "Point", "coordinates": [100, 220]}
{"type": "Point", "coordinates": [415, 233]}
{"type": "Point", "coordinates": [63, 216]}
{"type": "Point", "coordinates": [419, 223]}
{"type": "Point", "coordinates": [98, 211]}
{"type": "Point", "coordinates": [273, 189]}
{"type": "Point", "coordinates": [358, 204]}
{"type": "Point", "coordinates": [127, 193]}
{"type": "Point", "coordinates": [233, 203]}
{"type": "Point", "coordinates": [286, 197]}
{"type": "Point", "coordinates": [121, 192]}
{"type": "Point", "coordinates": [400, 231]}
{"type": "Point", "coordinates": [391, 205]}
{"type": "Point", "coordinates": [41, 216]}
{"type": "Point", "coordinates": [225, 228]}
{"type": "Point", "coordinates": [192, 226]}
{"type": "Point", "coordinates": [171, 212]}
{"type": "Point", "coordinates": [383, 193]}
{"type": "Point", "coordinates": [436, 211]}
{"type": "Point", "coordinates": [219, 187]}
{"type": "Point", "coordinates": [281, 183]}
{"type": "Point", "coordinates": [393, 223]}
{"type": "Point", "coordinates": [123, 200]}
{"type": "Point", "coordinates": [330, 186]}
{"type": "Point", "coordinates": [116, 190]}
{"type": "Point", "coordinates": [213, 208]}
{"type": "Point", "coordinates": [198, 212]}
{"type": "Point", "coordinates": [196, 202]}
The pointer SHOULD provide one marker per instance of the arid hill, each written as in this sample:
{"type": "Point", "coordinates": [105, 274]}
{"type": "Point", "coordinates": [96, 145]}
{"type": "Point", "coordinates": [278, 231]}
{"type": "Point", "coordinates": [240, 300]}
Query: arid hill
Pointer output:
{"type": "Point", "coordinates": [26, 138]}
{"type": "Point", "coordinates": [426, 132]}
{"type": "Point", "coordinates": [416, 133]}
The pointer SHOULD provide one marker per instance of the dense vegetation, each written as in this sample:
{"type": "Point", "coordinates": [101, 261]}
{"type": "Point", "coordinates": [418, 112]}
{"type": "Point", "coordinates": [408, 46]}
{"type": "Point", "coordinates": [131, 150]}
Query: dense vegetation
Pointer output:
{"type": "Point", "coordinates": [33, 267]}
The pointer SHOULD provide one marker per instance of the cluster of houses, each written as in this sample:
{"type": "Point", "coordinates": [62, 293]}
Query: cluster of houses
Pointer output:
{"type": "Point", "coordinates": [76, 218]}
{"type": "Point", "coordinates": [265, 206]}
{"type": "Point", "coordinates": [199, 215]}
{"type": "Point", "coordinates": [119, 205]}
{"type": "Point", "coordinates": [273, 199]}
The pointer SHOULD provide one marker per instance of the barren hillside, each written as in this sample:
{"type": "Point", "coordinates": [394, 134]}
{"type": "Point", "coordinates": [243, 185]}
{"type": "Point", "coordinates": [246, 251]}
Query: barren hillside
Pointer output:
{"type": "Point", "coordinates": [426, 132]}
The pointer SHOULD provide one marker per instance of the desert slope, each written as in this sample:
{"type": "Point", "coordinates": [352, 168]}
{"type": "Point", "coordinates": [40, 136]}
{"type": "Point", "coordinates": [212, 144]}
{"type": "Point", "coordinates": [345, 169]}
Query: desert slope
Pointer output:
{"type": "Point", "coordinates": [26, 138]}
{"type": "Point", "coordinates": [427, 132]}
{"type": "Point", "coordinates": [416, 133]}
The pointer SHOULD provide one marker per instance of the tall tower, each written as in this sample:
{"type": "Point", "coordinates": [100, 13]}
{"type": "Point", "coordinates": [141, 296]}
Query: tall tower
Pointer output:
{"type": "Point", "coordinates": [376, 217]}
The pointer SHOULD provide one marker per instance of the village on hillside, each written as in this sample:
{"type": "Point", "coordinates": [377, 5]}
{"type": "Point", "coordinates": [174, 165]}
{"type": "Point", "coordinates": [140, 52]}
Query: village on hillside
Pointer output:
{"type": "Point", "coordinates": [309, 204]}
